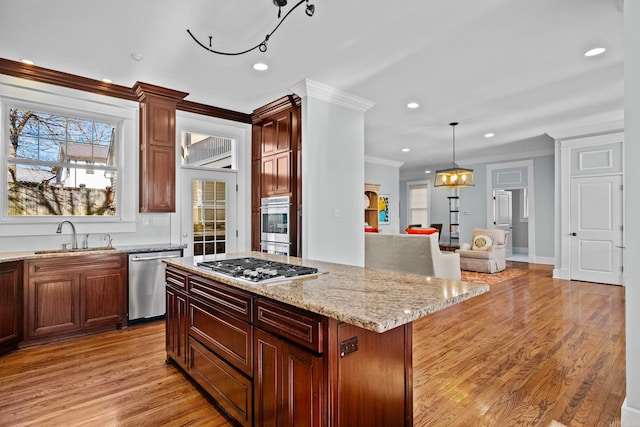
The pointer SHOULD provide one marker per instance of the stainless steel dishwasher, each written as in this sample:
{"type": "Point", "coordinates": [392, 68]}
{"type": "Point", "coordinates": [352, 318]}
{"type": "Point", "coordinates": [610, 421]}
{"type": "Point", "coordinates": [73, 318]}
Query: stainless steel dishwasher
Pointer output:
{"type": "Point", "coordinates": [147, 298]}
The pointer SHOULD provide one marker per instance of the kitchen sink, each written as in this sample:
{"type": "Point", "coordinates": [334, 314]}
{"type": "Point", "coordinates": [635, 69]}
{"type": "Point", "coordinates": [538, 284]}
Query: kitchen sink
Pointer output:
{"type": "Point", "coordinates": [64, 251]}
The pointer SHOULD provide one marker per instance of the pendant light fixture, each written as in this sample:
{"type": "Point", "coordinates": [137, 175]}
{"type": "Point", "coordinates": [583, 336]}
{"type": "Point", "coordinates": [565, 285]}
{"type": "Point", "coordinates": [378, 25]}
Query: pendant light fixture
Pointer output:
{"type": "Point", "coordinates": [262, 46]}
{"type": "Point", "coordinates": [454, 177]}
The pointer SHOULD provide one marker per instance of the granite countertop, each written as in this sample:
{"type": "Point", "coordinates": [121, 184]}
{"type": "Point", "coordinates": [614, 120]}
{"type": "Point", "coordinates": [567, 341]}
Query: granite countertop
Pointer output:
{"type": "Point", "coordinates": [371, 299]}
{"type": "Point", "coordinates": [23, 255]}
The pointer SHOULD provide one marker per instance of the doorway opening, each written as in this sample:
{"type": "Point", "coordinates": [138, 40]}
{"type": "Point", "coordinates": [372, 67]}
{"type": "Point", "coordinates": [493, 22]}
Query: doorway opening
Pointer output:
{"type": "Point", "coordinates": [511, 194]}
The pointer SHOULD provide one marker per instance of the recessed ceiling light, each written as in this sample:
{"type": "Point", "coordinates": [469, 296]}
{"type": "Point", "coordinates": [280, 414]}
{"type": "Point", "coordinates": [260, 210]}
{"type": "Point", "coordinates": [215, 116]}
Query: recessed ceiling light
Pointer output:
{"type": "Point", "coordinates": [260, 66]}
{"type": "Point", "coordinates": [427, 171]}
{"type": "Point", "coordinates": [136, 56]}
{"type": "Point", "coordinates": [107, 80]}
{"type": "Point", "coordinates": [489, 135]}
{"type": "Point", "coordinates": [27, 61]}
{"type": "Point", "coordinates": [405, 150]}
{"type": "Point", "coordinates": [413, 105]}
{"type": "Point", "coordinates": [595, 51]}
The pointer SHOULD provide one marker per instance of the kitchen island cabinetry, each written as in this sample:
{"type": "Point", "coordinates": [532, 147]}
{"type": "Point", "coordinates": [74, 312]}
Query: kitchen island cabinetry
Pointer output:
{"type": "Point", "coordinates": [72, 295]}
{"type": "Point", "coordinates": [10, 305]}
{"type": "Point", "coordinates": [314, 351]}
{"type": "Point", "coordinates": [177, 319]}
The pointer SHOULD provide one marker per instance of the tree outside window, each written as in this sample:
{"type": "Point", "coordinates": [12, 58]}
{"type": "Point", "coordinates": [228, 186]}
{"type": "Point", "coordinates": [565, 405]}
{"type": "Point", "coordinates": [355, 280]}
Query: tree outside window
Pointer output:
{"type": "Point", "coordinates": [60, 165]}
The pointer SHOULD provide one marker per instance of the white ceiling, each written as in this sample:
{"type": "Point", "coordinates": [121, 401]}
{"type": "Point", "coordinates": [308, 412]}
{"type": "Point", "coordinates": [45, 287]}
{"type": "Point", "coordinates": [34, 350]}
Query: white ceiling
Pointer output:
{"type": "Point", "coordinates": [512, 67]}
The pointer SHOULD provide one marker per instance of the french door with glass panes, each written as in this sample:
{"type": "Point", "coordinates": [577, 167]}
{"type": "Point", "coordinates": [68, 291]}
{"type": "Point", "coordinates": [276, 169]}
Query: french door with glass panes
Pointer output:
{"type": "Point", "coordinates": [208, 212]}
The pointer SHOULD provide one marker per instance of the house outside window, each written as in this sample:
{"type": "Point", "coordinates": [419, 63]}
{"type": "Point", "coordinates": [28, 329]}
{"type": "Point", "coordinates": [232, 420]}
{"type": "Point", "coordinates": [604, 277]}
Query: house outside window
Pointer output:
{"type": "Point", "coordinates": [60, 164]}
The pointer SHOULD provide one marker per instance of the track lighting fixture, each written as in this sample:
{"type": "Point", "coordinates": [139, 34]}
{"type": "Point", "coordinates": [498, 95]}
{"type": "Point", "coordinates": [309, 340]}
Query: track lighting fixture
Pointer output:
{"type": "Point", "coordinates": [262, 46]}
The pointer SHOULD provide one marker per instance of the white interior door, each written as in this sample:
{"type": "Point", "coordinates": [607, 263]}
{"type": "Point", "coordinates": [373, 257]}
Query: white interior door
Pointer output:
{"type": "Point", "coordinates": [502, 216]}
{"type": "Point", "coordinates": [596, 229]}
{"type": "Point", "coordinates": [208, 212]}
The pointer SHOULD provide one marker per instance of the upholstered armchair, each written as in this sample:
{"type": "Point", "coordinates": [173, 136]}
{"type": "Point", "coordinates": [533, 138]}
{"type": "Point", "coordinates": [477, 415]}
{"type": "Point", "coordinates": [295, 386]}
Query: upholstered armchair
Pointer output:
{"type": "Point", "coordinates": [486, 253]}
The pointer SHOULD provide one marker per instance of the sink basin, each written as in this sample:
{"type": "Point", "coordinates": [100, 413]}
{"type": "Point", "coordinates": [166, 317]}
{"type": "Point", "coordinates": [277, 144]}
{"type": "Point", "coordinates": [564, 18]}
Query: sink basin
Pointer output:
{"type": "Point", "coordinates": [64, 251]}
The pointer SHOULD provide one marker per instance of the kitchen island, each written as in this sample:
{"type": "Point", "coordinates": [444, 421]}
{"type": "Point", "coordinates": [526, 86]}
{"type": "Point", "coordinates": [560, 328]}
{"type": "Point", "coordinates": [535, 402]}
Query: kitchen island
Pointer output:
{"type": "Point", "coordinates": [328, 349]}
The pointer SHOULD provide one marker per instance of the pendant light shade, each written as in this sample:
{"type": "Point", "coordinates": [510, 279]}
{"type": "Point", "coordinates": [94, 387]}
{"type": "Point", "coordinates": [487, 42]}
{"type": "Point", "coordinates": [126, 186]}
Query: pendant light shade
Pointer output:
{"type": "Point", "coordinates": [454, 177]}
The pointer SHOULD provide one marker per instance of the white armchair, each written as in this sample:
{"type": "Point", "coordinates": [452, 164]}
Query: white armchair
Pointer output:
{"type": "Point", "coordinates": [486, 253]}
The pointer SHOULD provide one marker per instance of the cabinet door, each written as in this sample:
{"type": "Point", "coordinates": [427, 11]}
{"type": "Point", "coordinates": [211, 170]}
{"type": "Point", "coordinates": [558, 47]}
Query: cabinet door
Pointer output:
{"type": "Point", "coordinates": [10, 305]}
{"type": "Point", "coordinates": [287, 385]}
{"type": "Point", "coordinates": [177, 326]}
{"type": "Point", "coordinates": [268, 379]}
{"type": "Point", "coordinates": [53, 306]}
{"type": "Point", "coordinates": [268, 176]}
{"type": "Point", "coordinates": [231, 390]}
{"type": "Point", "coordinates": [102, 298]}
{"type": "Point", "coordinates": [157, 184]}
{"type": "Point", "coordinates": [282, 173]}
{"type": "Point", "coordinates": [276, 174]}
{"type": "Point", "coordinates": [302, 398]}
{"type": "Point", "coordinates": [283, 131]}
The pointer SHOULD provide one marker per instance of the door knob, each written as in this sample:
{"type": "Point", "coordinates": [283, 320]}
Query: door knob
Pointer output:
{"type": "Point", "coordinates": [574, 234]}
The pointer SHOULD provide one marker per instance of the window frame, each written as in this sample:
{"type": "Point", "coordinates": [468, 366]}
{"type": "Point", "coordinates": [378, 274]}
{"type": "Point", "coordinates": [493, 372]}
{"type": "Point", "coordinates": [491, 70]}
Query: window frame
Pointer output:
{"type": "Point", "coordinates": [117, 124]}
{"type": "Point", "coordinates": [19, 93]}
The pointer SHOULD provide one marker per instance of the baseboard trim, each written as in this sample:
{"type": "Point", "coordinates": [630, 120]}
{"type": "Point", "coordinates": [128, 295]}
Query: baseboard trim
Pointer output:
{"type": "Point", "coordinates": [545, 260]}
{"type": "Point", "coordinates": [561, 273]}
{"type": "Point", "coordinates": [629, 417]}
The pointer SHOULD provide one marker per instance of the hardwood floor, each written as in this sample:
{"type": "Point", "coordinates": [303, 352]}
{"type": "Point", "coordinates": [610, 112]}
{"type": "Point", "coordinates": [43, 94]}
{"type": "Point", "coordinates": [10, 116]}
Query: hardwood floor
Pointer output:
{"type": "Point", "coordinates": [533, 351]}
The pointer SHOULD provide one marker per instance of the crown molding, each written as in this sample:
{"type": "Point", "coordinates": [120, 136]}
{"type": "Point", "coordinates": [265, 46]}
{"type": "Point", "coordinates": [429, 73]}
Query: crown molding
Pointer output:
{"type": "Point", "coordinates": [380, 161]}
{"type": "Point", "coordinates": [330, 94]}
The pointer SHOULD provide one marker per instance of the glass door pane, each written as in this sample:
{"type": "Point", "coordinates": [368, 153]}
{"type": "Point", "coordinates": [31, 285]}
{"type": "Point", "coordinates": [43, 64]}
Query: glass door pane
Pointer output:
{"type": "Point", "coordinates": [209, 214]}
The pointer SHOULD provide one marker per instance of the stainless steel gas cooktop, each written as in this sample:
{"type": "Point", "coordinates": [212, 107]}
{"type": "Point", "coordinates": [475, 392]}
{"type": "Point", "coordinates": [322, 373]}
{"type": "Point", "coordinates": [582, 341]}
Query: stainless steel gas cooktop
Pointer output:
{"type": "Point", "coordinates": [256, 270]}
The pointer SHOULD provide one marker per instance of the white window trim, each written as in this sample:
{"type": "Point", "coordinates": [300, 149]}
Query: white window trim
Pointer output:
{"type": "Point", "coordinates": [23, 93]}
{"type": "Point", "coordinates": [409, 184]}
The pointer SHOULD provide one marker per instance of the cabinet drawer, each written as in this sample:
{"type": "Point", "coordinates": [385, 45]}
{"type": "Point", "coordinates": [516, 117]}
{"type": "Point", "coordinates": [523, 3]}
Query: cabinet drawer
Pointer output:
{"type": "Point", "coordinates": [176, 278]}
{"type": "Point", "coordinates": [76, 262]}
{"type": "Point", "coordinates": [230, 389]}
{"type": "Point", "coordinates": [290, 324]}
{"type": "Point", "coordinates": [228, 336]}
{"type": "Point", "coordinates": [231, 301]}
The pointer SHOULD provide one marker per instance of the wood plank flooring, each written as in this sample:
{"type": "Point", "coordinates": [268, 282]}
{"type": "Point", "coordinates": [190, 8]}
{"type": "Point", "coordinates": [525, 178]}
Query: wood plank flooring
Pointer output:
{"type": "Point", "coordinates": [534, 351]}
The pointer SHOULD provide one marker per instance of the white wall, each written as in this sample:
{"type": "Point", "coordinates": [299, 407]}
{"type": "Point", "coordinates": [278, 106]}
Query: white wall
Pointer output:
{"type": "Point", "coordinates": [631, 406]}
{"type": "Point", "coordinates": [387, 175]}
{"type": "Point", "coordinates": [333, 180]}
{"type": "Point", "coordinates": [473, 207]}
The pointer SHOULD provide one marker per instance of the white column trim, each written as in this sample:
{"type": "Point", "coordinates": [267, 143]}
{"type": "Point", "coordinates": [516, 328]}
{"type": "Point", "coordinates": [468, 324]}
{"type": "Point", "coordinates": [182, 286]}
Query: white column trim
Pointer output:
{"type": "Point", "coordinates": [330, 94]}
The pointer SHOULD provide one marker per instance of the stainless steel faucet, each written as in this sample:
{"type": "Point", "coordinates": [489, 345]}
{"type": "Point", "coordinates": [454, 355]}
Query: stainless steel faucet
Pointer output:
{"type": "Point", "coordinates": [74, 242]}
{"type": "Point", "coordinates": [108, 238]}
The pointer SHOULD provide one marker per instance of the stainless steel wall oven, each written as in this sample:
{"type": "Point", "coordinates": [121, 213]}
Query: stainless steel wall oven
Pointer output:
{"type": "Point", "coordinates": [275, 224]}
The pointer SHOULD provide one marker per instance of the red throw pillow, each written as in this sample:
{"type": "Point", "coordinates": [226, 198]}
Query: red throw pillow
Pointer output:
{"type": "Point", "coordinates": [421, 230]}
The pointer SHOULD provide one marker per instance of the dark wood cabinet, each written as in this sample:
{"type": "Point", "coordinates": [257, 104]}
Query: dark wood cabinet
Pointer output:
{"type": "Point", "coordinates": [288, 383]}
{"type": "Point", "coordinates": [157, 146]}
{"type": "Point", "coordinates": [10, 305]}
{"type": "Point", "coordinates": [73, 295]}
{"type": "Point", "coordinates": [232, 391]}
{"type": "Point", "coordinates": [177, 318]}
{"type": "Point", "coordinates": [267, 363]}
{"type": "Point", "coordinates": [375, 365]}
{"type": "Point", "coordinates": [276, 175]}
{"type": "Point", "coordinates": [276, 154]}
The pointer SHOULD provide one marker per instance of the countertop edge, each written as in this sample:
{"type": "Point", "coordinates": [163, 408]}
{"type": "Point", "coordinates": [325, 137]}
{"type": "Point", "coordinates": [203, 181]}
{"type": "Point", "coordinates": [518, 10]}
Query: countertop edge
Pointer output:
{"type": "Point", "coordinates": [28, 255]}
{"type": "Point", "coordinates": [343, 316]}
